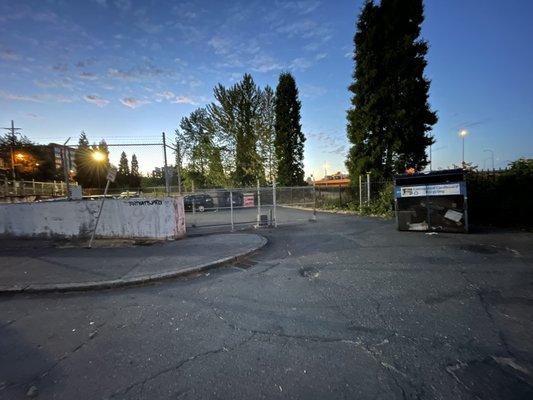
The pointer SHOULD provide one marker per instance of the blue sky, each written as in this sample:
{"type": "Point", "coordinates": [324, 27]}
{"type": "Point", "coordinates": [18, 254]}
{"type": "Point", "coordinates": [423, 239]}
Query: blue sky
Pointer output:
{"type": "Point", "coordinates": [127, 70]}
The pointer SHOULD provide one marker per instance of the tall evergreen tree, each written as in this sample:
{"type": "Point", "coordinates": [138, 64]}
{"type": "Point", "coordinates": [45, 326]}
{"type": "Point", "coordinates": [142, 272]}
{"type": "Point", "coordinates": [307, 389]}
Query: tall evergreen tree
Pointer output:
{"type": "Point", "coordinates": [135, 176]}
{"type": "Point", "coordinates": [82, 160]}
{"type": "Point", "coordinates": [390, 117]}
{"type": "Point", "coordinates": [123, 173]}
{"type": "Point", "coordinates": [289, 142]}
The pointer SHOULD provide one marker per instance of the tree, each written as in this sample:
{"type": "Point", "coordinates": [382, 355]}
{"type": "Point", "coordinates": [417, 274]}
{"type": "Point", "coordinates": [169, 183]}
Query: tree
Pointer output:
{"type": "Point", "coordinates": [135, 176]}
{"type": "Point", "coordinates": [82, 159]}
{"type": "Point", "coordinates": [266, 132]}
{"type": "Point", "coordinates": [123, 173]}
{"type": "Point", "coordinates": [289, 141]}
{"type": "Point", "coordinates": [235, 114]}
{"type": "Point", "coordinates": [196, 139]}
{"type": "Point", "coordinates": [390, 117]}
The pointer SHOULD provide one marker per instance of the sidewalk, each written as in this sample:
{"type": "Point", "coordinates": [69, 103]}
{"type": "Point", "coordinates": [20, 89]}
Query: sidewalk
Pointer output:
{"type": "Point", "coordinates": [37, 266]}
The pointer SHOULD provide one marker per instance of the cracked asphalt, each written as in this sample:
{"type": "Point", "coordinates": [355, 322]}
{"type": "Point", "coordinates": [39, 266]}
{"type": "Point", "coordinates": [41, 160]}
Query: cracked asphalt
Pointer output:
{"type": "Point", "coordinates": [339, 309]}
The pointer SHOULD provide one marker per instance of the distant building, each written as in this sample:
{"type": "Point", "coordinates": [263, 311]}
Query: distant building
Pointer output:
{"type": "Point", "coordinates": [336, 180]}
{"type": "Point", "coordinates": [56, 151]}
{"type": "Point", "coordinates": [36, 161]}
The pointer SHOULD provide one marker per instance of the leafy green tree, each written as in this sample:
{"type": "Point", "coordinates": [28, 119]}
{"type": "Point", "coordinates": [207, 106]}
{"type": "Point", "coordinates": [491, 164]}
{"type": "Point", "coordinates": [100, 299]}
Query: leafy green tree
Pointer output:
{"type": "Point", "coordinates": [123, 173]}
{"type": "Point", "coordinates": [289, 141]}
{"type": "Point", "coordinates": [266, 132]}
{"type": "Point", "coordinates": [235, 114]}
{"type": "Point", "coordinates": [390, 117]}
{"type": "Point", "coordinates": [196, 140]}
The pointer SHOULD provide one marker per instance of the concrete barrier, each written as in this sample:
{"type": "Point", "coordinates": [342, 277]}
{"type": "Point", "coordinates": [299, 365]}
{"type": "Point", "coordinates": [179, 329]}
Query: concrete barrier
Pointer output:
{"type": "Point", "coordinates": [125, 218]}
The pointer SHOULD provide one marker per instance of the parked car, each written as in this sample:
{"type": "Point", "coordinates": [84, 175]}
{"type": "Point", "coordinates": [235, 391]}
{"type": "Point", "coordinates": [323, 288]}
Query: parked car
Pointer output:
{"type": "Point", "coordinates": [224, 199]}
{"type": "Point", "coordinates": [202, 202]}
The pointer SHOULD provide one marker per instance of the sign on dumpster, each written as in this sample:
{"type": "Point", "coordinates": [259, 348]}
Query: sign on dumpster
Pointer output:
{"type": "Point", "coordinates": [248, 200]}
{"type": "Point", "coordinates": [429, 190]}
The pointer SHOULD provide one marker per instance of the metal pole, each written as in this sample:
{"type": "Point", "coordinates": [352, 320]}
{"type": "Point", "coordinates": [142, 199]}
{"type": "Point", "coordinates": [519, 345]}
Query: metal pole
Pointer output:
{"type": "Point", "coordinates": [360, 194]}
{"type": "Point", "coordinates": [99, 213]}
{"type": "Point", "coordinates": [193, 203]}
{"type": "Point", "coordinates": [66, 167]}
{"type": "Point", "coordinates": [179, 166]}
{"type": "Point", "coordinates": [368, 187]}
{"type": "Point", "coordinates": [167, 186]}
{"type": "Point", "coordinates": [231, 209]}
{"type": "Point", "coordinates": [463, 151]}
{"type": "Point", "coordinates": [314, 201]}
{"type": "Point", "coordinates": [258, 204]}
{"type": "Point", "coordinates": [275, 203]}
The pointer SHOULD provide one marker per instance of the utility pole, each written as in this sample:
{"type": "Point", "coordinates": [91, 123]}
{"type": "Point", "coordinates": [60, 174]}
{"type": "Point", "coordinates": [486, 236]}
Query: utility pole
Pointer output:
{"type": "Point", "coordinates": [66, 167]}
{"type": "Point", "coordinates": [167, 188]}
{"type": "Point", "coordinates": [12, 139]}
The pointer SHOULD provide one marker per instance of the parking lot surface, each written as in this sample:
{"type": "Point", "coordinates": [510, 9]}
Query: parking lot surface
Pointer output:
{"type": "Point", "coordinates": [346, 307]}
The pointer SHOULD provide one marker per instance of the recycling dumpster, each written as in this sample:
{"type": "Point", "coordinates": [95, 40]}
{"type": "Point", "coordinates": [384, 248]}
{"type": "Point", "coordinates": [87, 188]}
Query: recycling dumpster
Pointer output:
{"type": "Point", "coordinates": [431, 201]}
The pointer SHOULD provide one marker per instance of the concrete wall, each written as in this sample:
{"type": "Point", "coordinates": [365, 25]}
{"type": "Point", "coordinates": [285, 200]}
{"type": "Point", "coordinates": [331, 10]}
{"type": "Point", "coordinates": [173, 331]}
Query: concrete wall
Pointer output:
{"type": "Point", "coordinates": [128, 218]}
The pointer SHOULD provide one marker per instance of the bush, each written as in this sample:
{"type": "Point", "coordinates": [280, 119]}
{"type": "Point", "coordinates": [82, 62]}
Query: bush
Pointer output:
{"type": "Point", "coordinates": [502, 198]}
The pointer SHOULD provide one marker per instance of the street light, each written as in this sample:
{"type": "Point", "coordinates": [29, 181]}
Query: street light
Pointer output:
{"type": "Point", "coordinates": [98, 156]}
{"type": "Point", "coordinates": [463, 134]}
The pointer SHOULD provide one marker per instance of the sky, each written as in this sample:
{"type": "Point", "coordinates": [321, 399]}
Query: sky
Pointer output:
{"type": "Point", "coordinates": [125, 70]}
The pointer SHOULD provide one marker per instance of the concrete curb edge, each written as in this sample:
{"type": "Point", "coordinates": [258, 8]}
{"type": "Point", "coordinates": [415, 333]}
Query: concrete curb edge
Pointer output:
{"type": "Point", "coordinates": [117, 283]}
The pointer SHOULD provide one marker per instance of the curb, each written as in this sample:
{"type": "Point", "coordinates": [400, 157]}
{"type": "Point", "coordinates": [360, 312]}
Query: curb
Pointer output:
{"type": "Point", "coordinates": [117, 283]}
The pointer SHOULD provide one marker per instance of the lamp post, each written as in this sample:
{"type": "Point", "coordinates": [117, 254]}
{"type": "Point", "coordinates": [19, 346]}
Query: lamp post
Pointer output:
{"type": "Point", "coordinates": [463, 134]}
{"type": "Point", "coordinates": [491, 157]}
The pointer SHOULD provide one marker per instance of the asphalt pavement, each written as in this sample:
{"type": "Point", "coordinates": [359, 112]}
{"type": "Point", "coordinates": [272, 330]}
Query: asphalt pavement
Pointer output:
{"type": "Point", "coordinates": [343, 308]}
{"type": "Point", "coordinates": [37, 265]}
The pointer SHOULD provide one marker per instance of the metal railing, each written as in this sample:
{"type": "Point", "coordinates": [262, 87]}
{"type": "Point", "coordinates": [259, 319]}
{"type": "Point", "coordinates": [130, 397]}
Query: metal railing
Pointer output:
{"type": "Point", "coordinates": [24, 189]}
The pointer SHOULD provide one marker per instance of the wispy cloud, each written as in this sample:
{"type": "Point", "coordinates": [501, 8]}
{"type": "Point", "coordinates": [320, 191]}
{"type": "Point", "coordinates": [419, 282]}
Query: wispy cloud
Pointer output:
{"type": "Point", "coordinates": [132, 102]}
{"type": "Point", "coordinates": [300, 64]}
{"type": "Point", "coordinates": [88, 76]}
{"type": "Point", "coordinates": [167, 95]}
{"type": "Point", "coordinates": [184, 100]}
{"type": "Point", "coordinates": [312, 91]}
{"type": "Point", "coordinates": [8, 55]}
{"type": "Point", "coordinates": [95, 99]}
{"type": "Point", "coordinates": [331, 144]}
{"type": "Point", "coordinates": [65, 83]}
{"type": "Point", "coordinates": [302, 7]}
{"type": "Point", "coordinates": [37, 98]}
{"type": "Point", "coordinates": [221, 45]}
{"type": "Point", "coordinates": [139, 73]}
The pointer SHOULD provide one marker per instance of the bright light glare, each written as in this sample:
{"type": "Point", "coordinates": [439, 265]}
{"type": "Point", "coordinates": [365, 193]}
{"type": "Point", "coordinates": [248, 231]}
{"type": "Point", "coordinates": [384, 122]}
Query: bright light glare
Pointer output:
{"type": "Point", "coordinates": [463, 133]}
{"type": "Point", "coordinates": [20, 156]}
{"type": "Point", "coordinates": [98, 156]}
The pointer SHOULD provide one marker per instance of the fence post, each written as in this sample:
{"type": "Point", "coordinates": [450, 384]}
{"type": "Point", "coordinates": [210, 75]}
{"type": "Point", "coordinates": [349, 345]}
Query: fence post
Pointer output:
{"type": "Point", "coordinates": [368, 187]}
{"type": "Point", "coordinates": [193, 204]}
{"type": "Point", "coordinates": [33, 186]}
{"type": "Point", "coordinates": [258, 204]}
{"type": "Point", "coordinates": [360, 194]}
{"type": "Point", "coordinates": [314, 201]}
{"type": "Point", "coordinates": [275, 203]}
{"type": "Point", "coordinates": [167, 180]}
{"type": "Point", "coordinates": [231, 209]}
